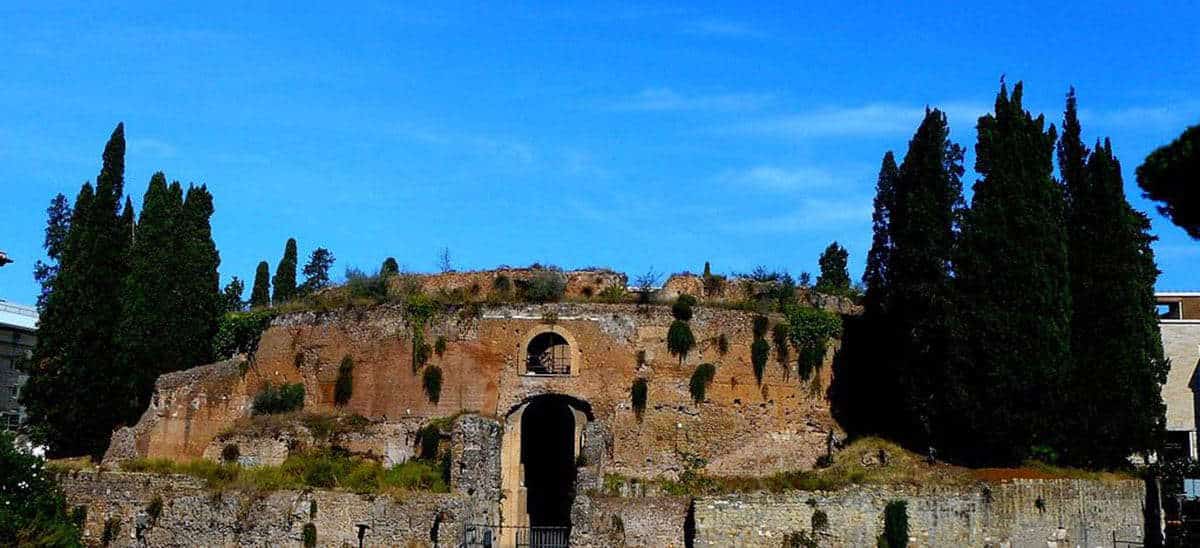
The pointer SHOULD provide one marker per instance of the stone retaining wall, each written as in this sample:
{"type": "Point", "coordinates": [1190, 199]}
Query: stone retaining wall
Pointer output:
{"type": "Point", "coordinates": [193, 516]}
{"type": "Point", "coordinates": [1012, 513]}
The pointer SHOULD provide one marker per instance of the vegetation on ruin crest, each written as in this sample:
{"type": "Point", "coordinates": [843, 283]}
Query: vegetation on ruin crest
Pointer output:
{"type": "Point", "coordinates": [317, 469]}
{"type": "Point", "coordinates": [866, 461]}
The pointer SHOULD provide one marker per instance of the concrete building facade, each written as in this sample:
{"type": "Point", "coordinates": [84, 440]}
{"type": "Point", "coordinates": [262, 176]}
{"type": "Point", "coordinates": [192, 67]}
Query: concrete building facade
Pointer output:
{"type": "Point", "coordinates": [18, 336]}
{"type": "Point", "coordinates": [1179, 324]}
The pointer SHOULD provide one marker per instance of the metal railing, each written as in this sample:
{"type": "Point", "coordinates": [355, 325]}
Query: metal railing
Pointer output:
{"type": "Point", "coordinates": [489, 536]}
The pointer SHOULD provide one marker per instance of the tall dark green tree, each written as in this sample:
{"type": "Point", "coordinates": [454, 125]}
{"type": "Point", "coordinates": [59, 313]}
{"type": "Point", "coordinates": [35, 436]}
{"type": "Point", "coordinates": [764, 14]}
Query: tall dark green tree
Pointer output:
{"type": "Point", "coordinates": [834, 279]}
{"type": "Point", "coordinates": [875, 277]}
{"type": "Point", "coordinates": [1113, 407]}
{"type": "Point", "coordinates": [1168, 176]}
{"type": "Point", "coordinates": [76, 356]}
{"type": "Point", "coordinates": [58, 224]}
{"type": "Point", "coordinates": [922, 227]}
{"type": "Point", "coordinates": [316, 271]}
{"type": "Point", "coordinates": [260, 293]}
{"type": "Point", "coordinates": [199, 281]}
{"type": "Point", "coordinates": [1013, 287]}
{"type": "Point", "coordinates": [284, 282]}
{"type": "Point", "coordinates": [152, 322]}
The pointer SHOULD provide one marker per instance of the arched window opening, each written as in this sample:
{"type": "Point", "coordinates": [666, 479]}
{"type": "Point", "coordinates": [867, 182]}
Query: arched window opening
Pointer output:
{"type": "Point", "coordinates": [548, 354]}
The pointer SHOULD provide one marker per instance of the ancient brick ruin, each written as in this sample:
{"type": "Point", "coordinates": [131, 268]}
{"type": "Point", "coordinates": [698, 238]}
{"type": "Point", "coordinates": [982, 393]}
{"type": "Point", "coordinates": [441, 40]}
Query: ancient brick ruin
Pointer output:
{"type": "Point", "coordinates": [542, 407]}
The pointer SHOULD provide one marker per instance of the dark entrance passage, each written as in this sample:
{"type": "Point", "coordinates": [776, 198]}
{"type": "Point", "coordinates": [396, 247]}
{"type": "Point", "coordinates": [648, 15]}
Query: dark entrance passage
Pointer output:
{"type": "Point", "coordinates": [548, 456]}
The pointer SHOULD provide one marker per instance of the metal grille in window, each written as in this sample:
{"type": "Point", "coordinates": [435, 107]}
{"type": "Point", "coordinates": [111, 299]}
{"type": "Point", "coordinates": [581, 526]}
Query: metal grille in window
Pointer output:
{"type": "Point", "coordinates": [548, 354]}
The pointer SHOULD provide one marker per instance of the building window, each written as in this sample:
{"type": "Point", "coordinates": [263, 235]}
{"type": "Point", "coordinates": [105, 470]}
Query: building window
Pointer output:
{"type": "Point", "coordinates": [1169, 310]}
{"type": "Point", "coordinates": [548, 354]}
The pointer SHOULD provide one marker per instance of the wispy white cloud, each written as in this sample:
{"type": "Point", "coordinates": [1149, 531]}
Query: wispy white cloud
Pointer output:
{"type": "Point", "coordinates": [720, 28]}
{"type": "Point", "coordinates": [1175, 115]}
{"type": "Point", "coordinates": [151, 147]}
{"type": "Point", "coordinates": [811, 215]}
{"type": "Point", "coordinates": [479, 145]}
{"type": "Point", "coordinates": [667, 99]}
{"type": "Point", "coordinates": [857, 121]}
{"type": "Point", "coordinates": [779, 179]}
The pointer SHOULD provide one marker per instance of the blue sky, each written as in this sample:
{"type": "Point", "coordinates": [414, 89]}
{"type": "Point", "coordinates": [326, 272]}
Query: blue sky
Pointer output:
{"type": "Point", "coordinates": [631, 136]}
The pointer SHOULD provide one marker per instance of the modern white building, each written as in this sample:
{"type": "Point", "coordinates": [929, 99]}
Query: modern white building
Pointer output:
{"type": "Point", "coordinates": [1179, 324]}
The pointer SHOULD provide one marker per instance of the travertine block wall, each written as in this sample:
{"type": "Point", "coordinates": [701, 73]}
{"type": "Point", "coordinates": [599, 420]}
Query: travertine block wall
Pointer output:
{"type": "Point", "coordinates": [1013, 513]}
{"type": "Point", "coordinates": [1181, 344]}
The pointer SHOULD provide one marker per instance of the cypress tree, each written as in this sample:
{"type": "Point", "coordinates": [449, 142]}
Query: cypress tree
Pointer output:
{"type": "Point", "coordinates": [199, 281]}
{"type": "Point", "coordinates": [77, 347]}
{"type": "Point", "coordinates": [834, 279]}
{"type": "Point", "coordinates": [875, 276]}
{"type": "Point", "coordinates": [260, 294]}
{"type": "Point", "coordinates": [152, 325]}
{"type": "Point", "coordinates": [58, 224]}
{"type": "Point", "coordinates": [1118, 368]}
{"type": "Point", "coordinates": [389, 267]}
{"type": "Point", "coordinates": [284, 282]}
{"type": "Point", "coordinates": [1013, 283]}
{"type": "Point", "coordinates": [926, 203]}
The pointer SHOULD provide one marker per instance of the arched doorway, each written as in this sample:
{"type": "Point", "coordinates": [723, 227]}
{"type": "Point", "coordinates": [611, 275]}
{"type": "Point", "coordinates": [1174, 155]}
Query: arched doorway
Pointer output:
{"type": "Point", "coordinates": [543, 438]}
{"type": "Point", "coordinates": [548, 457]}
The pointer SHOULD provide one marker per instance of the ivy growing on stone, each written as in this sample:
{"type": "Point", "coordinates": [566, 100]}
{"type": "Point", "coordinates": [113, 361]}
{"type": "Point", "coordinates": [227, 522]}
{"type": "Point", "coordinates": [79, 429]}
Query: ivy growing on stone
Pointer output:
{"type": "Point", "coordinates": [682, 308]}
{"type": "Point", "coordinates": [779, 336]}
{"type": "Point", "coordinates": [760, 326]}
{"type": "Point", "coordinates": [895, 525]}
{"type": "Point", "coordinates": [680, 339]}
{"type": "Point", "coordinates": [431, 379]}
{"type": "Point", "coordinates": [811, 329]}
{"type": "Point", "coordinates": [760, 351]}
{"type": "Point", "coordinates": [637, 395]}
{"type": "Point", "coordinates": [701, 378]}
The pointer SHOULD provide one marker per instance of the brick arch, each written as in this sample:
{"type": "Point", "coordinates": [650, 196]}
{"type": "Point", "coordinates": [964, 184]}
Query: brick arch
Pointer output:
{"type": "Point", "coordinates": [574, 351]}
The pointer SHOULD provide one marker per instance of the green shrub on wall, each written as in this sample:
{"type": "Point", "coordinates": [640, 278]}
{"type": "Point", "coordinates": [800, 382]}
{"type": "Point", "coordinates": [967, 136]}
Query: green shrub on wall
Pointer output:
{"type": "Point", "coordinates": [760, 326]}
{"type": "Point", "coordinates": [760, 351]}
{"type": "Point", "coordinates": [701, 378]}
{"type": "Point", "coordinates": [431, 379]}
{"type": "Point", "coordinates": [439, 346]}
{"type": "Point", "coordinates": [811, 330]}
{"type": "Point", "coordinates": [895, 525]}
{"type": "Point", "coordinates": [546, 286]}
{"type": "Point", "coordinates": [282, 399]}
{"type": "Point", "coordinates": [680, 339]}
{"type": "Point", "coordinates": [310, 535]}
{"type": "Point", "coordinates": [238, 332]}
{"type": "Point", "coordinates": [637, 395]}
{"type": "Point", "coordinates": [682, 309]}
{"type": "Point", "coordinates": [343, 388]}
{"type": "Point", "coordinates": [779, 336]}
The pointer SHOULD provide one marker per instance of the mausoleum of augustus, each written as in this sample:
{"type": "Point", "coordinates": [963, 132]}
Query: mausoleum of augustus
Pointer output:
{"type": "Point", "coordinates": [536, 421]}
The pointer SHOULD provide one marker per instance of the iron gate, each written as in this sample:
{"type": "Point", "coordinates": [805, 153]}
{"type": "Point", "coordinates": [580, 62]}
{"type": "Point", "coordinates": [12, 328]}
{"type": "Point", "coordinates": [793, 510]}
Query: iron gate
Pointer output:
{"type": "Point", "coordinates": [488, 536]}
